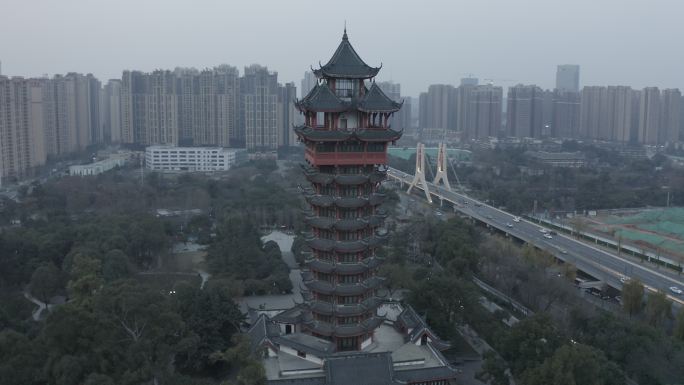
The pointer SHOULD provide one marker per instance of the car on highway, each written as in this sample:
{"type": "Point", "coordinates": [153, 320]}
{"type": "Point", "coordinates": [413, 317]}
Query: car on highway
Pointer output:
{"type": "Point", "coordinates": [543, 230]}
{"type": "Point", "coordinates": [624, 279]}
{"type": "Point", "coordinates": [516, 219]}
{"type": "Point", "coordinates": [563, 251]}
{"type": "Point", "coordinates": [676, 290]}
{"type": "Point", "coordinates": [509, 224]}
{"type": "Point", "coordinates": [547, 236]}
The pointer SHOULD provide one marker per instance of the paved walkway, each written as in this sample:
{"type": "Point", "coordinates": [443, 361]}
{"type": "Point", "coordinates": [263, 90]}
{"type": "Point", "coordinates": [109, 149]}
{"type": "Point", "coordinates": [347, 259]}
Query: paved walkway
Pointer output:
{"type": "Point", "coordinates": [41, 306]}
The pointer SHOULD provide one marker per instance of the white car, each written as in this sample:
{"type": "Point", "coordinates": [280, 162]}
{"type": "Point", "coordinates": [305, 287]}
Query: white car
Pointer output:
{"type": "Point", "coordinates": [624, 279]}
{"type": "Point", "coordinates": [543, 230]}
{"type": "Point", "coordinates": [547, 236]}
{"type": "Point", "coordinates": [508, 224]}
{"type": "Point", "coordinates": [676, 290]}
{"type": "Point", "coordinates": [516, 219]}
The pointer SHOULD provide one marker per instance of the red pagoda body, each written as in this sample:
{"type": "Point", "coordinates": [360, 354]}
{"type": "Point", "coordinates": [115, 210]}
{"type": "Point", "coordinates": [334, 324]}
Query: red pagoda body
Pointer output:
{"type": "Point", "coordinates": [346, 134]}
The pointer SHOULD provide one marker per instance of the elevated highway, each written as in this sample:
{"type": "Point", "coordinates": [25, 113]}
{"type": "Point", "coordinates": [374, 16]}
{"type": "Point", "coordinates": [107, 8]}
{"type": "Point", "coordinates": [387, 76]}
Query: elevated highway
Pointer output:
{"type": "Point", "coordinates": [601, 264]}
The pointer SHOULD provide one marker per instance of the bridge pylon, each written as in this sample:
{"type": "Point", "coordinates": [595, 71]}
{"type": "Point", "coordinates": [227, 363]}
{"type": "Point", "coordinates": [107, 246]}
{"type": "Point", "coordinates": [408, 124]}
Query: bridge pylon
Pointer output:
{"type": "Point", "coordinates": [419, 177]}
{"type": "Point", "coordinates": [441, 174]}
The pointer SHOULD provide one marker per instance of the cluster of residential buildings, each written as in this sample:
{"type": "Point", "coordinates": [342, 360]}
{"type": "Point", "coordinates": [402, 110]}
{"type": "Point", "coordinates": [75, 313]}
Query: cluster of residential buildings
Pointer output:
{"type": "Point", "coordinates": [608, 113]}
{"type": "Point", "coordinates": [46, 117]}
{"type": "Point", "coordinates": [212, 107]}
{"type": "Point", "coordinates": [219, 107]}
{"type": "Point", "coordinates": [53, 117]}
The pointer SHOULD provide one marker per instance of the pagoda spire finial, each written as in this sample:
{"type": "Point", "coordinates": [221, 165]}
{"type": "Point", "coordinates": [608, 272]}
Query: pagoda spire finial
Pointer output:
{"type": "Point", "coordinates": [344, 36]}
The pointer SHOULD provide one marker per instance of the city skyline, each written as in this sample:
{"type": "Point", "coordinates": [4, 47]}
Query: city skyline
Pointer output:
{"type": "Point", "coordinates": [637, 57]}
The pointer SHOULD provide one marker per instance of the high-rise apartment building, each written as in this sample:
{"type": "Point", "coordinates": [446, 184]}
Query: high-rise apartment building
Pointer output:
{"type": "Point", "coordinates": [287, 115]}
{"type": "Point", "coordinates": [607, 113]}
{"type": "Point", "coordinates": [670, 116]}
{"type": "Point", "coordinates": [24, 111]}
{"type": "Point", "coordinates": [620, 103]}
{"type": "Point", "coordinates": [227, 87]}
{"type": "Point", "coordinates": [149, 108]}
{"type": "Point", "coordinates": [547, 112]}
{"type": "Point", "coordinates": [308, 83]}
{"type": "Point", "coordinates": [401, 119]}
{"type": "Point", "coordinates": [565, 114]}
{"type": "Point", "coordinates": [524, 112]}
{"type": "Point", "coordinates": [77, 112]}
{"type": "Point", "coordinates": [259, 98]}
{"type": "Point", "coordinates": [567, 77]}
{"type": "Point", "coordinates": [186, 81]}
{"type": "Point", "coordinates": [469, 81]}
{"type": "Point", "coordinates": [463, 97]}
{"type": "Point", "coordinates": [589, 112]}
{"type": "Point", "coordinates": [437, 107]}
{"type": "Point", "coordinates": [208, 105]}
{"type": "Point", "coordinates": [681, 120]}
{"type": "Point", "coordinates": [649, 116]}
{"type": "Point", "coordinates": [110, 111]}
{"type": "Point", "coordinates": [484, 112]}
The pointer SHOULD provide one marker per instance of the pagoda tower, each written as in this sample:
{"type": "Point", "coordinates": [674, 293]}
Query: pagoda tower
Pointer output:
{"type": "Point", "coordinates": [346, 134]}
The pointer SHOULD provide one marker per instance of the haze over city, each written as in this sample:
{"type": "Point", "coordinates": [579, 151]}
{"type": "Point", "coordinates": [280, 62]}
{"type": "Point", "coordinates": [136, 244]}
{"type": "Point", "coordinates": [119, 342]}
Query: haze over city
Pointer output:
{"type": "Point", "coordinates": [341, 192]}
{"type": "Point", "coordinates": [419, 42]}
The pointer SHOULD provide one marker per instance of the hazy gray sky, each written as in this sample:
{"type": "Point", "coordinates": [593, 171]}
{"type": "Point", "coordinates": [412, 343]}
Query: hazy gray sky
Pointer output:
{"type": "Point", "coordinates": [625, 42]}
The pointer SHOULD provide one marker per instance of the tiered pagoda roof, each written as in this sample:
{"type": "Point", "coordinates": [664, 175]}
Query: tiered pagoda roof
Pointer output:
{"type": "Point", "coordinates": [321, 98]}
{"type": "Point", "coordinates": [376, 101]}
{"type": "Point", "coordinates": [346, 63]}
{"type": "Point", "coordinates": [364, 135]}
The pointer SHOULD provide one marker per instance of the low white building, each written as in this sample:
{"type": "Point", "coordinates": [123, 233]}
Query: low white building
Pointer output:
{"type": "Point", "coordinates": [202, 159]}
{"type": "Point", "coordinates": [98, 167]}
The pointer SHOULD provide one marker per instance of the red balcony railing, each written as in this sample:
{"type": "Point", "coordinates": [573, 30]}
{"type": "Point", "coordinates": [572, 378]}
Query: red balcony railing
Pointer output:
{"type": "Point", "coordinates": [345, 158]}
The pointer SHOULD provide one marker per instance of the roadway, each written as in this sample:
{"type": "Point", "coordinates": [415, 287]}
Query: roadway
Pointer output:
{"type": "Point", "coordinates": [601, 264]}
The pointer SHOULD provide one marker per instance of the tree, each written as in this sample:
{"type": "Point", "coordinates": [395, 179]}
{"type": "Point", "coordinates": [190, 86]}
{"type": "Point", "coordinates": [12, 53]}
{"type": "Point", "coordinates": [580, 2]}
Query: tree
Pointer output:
{"type": "Point", "coordinates": [633, 297]}
{"type": "Point", "coordinates": [99, 379]}
{"type": "Point", "coordinates": [238, 253]}
{"type": "Point", "coordinates": [251, 372]}
{"type": "Point", "coordinates": [145, 324]}
{"type": "Point", "coordinates": [86, 277]}
{"type": "Point", "coordinates": [396, 277]}
{"type": "Point", "coordinates": [537, 257]}
{"type": "Point", "coordinates": [529, 343]}
{"type": "Point", "coordinates": [494, 369]}
{"type": "Point", "coordinates": [658, 307]}
{"type": "Point", "coordinates": [46, 281]}
{"type": "Point", "coordinates": [453, 244]}
{"type": "Point", "coordinates": [211, 316]}
{"type": "Point", "coordinates": [445, 299]}
{"type": "Point", "coordinates": [575, 364]}
{"type": "Point", "coordinates": [679, 325]}
{"type": "Point", "coordinates": [20, 360]}
{"type": "Point", "coordinates": [115, 265]}
{"type": "Point", "coordinates": [579, 225]}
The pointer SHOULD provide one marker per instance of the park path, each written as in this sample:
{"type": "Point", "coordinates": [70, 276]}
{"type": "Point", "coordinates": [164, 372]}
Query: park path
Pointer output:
{"type": "Point", "coordinates": [41, 306]}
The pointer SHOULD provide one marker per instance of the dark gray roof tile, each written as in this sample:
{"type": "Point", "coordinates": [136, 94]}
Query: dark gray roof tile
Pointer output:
{"type": "Point", "coordinates": [346, 63]}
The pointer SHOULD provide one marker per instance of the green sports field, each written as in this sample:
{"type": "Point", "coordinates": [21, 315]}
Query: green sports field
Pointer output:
{"type": "Point", "coordinates": [660, 230]}
{"type": "Point", "coordinates": [453, 153]}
